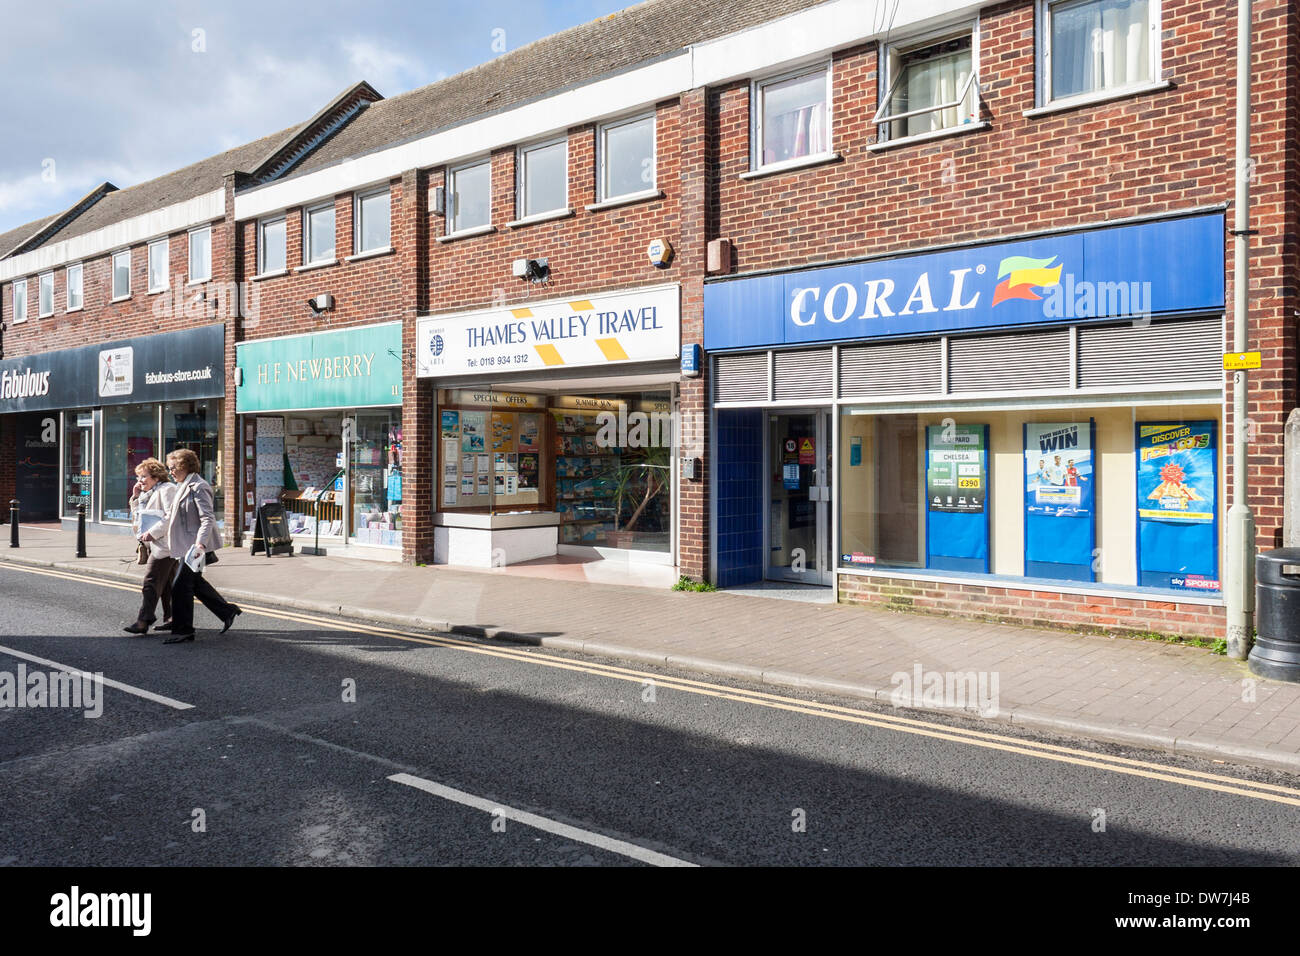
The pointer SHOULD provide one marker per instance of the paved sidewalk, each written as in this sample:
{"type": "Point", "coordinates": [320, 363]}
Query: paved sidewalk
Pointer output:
{"type": "Point", "coordinates": [1132, 692]}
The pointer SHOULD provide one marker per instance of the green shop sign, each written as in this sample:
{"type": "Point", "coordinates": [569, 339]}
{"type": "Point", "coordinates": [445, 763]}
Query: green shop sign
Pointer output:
{"type": "Point", "coordinates": [349, 368]}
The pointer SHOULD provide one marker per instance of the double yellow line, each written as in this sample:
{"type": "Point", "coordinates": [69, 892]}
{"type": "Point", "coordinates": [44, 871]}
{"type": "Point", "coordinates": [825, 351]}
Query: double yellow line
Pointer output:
{"type": "Point", "coordinates": [974, 738]}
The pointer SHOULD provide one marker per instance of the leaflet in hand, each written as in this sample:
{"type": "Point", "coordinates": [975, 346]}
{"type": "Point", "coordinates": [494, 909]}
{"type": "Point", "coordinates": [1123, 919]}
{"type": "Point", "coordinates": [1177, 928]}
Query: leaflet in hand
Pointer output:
{"type": "Point", "coordinates": [151, 522]}
{"type": "Point", "coordinates": [194, 558]}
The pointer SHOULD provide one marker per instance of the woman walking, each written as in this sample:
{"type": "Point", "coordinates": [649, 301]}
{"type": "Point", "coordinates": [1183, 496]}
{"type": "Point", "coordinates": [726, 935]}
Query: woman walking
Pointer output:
{"type": "Point", "coordinates": [151, 497]}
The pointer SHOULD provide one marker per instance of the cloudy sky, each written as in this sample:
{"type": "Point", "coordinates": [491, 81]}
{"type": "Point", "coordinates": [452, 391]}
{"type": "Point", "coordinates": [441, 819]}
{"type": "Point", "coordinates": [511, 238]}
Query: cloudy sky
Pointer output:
{"type": "Point", "coordinates": [127, 90]}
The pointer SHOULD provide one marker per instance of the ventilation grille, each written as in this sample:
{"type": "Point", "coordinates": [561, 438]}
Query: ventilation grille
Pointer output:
{"type": "Point", "coordinates": [998, 363]}
{"type": "Point", "coordinates": [908, 368]}
{"type": "Point", "coordinates": [740, 378]}
{"type": "Point", "coordinates": [803, 374]}
{"type": "Point", "coordinates": [1184, 352]}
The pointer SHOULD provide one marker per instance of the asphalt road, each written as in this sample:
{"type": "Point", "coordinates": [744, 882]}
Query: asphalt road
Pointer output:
{"type": "Point", "coordinates": [461, 752]}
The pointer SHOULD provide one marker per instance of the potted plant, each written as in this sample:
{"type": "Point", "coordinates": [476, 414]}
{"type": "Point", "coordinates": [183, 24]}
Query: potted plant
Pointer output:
{"type": "Point", "coordinates": [636, 483]}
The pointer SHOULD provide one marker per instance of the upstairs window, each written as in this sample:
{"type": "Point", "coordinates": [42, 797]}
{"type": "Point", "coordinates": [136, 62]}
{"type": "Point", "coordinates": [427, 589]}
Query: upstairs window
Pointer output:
{"type": "Point", "coordinates": [543, 178]}
{"type": "Point", "coordinates": [122, 274]}
{"type": "Point", "coordinates": [792, 117]}
{"type": "Point", "coordinates": [469, 197]}
{"type": "Point", "coordinates": [158, 260]}
{"type": "Point", "coordinates": [931, 86]}
{"type": "Point", "coordinates": [45, 294]}
{"type": "Point", "coordinates": [372, 221]}
{"type": "Point", "coordinates": [73, 278]}
{"type": "Point", "coordinates": [627, 157]}
{"type": "Point", "coordinates": [1095, 46]}
{"type": "Point", "coordinates": [201, 255]}
{"type": "Point", "coordinates": [20, 300]}
{"type": "Point", "coordinates": [318, 234]}
{"type": "Point", "coordinates": [270, 246]}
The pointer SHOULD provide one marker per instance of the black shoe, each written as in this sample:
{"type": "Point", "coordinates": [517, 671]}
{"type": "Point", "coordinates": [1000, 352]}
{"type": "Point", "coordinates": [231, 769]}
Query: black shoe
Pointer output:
{"type": "Point", "coordinates": [231, 619]}
{"type": "Point", "coordinates": [138, 629]}
{"type": "Point", "coordinates": [178, 638]}
{"type": "Point", "coordinates": [164, 626]}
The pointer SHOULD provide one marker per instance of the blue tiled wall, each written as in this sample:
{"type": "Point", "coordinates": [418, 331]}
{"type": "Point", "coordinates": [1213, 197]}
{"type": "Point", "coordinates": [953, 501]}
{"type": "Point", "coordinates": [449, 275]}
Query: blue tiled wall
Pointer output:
{"type": "Point", "coordinates": [739, 501]}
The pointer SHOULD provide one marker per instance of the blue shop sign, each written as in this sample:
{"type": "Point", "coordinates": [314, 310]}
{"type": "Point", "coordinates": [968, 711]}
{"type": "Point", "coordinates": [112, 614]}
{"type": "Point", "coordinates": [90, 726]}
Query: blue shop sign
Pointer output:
{"type": "Point", "coordinates": [1153, 268]}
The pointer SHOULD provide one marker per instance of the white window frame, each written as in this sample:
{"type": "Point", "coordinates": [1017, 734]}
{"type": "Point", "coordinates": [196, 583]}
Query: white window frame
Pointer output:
{"type": "Point", "coordinates": [19, 315]}
{"type": "Point", "coordinates": [358, 226]}
{"type": "Point", "coordinates": [261, 244]}
{"type": "Point", "coordinates": [189, 255]}
{"type": "Point", "coordinates": [756, 88]}
{"type": "Point", "coordinates": [1043, 60]}
{"type": "Point", "coordinates": [40, 280]}
{"type": "Point", "coordinates": [112, 275]}
{"type": "Point", "coordinates": [165, 242]}
{"type": "Point", "coordinates": [602, 154]}
{"type": "Point", "coordinates": [892, 49]}
{"type": "Point", "coordinates": [67, 287]}
{"type": "Point", "coordinates": [307, 211]}
{"type": "Point", "coordinates": [521, 196]}
{"type": "Point", "coordinates": [451, 228]}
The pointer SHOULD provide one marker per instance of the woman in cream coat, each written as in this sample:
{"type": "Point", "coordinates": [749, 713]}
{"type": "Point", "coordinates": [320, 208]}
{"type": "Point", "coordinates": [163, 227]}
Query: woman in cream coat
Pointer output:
{"type": "Point", "coordinates": [155, 492]}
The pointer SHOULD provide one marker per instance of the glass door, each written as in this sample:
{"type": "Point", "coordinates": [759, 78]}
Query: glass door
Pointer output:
{"type": "Point", "coordinates": [78, 462]}
{"type": "Point", "coordinates": [799, 494]}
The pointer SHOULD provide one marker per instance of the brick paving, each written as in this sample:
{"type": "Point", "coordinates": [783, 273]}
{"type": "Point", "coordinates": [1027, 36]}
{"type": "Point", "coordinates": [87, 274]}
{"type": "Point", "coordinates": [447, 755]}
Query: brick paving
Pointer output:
{"type": "Point", "coordinates": [1144, 694]}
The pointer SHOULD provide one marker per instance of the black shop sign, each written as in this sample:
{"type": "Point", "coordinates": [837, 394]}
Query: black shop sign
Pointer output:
{"type": "Point", "coordinates": [174, 366]}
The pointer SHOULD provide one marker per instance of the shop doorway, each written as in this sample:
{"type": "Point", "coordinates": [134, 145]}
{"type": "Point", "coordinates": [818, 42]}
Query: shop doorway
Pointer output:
{"type": "Point", "coordinates": [798, 527]}
{"type": "Point", "coordinates": [37, 466]}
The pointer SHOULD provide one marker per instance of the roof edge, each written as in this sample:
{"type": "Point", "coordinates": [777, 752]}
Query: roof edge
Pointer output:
{"type": "Point", "coordinates": [61, 220]}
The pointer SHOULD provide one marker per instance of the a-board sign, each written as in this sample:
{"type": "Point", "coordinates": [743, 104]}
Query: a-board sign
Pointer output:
{"type": "Point", "coordinates": [271, 531]}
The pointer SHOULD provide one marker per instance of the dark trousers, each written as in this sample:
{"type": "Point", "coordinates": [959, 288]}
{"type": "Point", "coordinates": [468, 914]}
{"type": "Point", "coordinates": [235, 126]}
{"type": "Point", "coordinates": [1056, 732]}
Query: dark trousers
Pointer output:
{"type": "Point", "coordinates": [188, 587]}
{"type": "Point", "coordinates": [157, 584]}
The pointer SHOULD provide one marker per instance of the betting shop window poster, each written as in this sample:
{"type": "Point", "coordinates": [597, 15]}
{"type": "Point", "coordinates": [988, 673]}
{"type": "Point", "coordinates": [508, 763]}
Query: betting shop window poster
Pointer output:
{"type": "Point", "coordinates": [1059, 479]}
{"type": "Point", "coordinates": [1177, 505]}
{"type": "Point", "coordinates": [954, 469]}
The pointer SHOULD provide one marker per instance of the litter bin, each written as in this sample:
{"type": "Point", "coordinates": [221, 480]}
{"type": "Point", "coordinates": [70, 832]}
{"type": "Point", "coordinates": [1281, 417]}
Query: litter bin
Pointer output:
{"type": "Point", "coordinates": [1277, 615]}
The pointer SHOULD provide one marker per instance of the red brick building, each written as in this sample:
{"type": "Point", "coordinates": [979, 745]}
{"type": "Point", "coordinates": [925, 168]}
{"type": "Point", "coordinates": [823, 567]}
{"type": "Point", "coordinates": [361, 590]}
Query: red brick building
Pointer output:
{"type": "Point", "coordinates": [959, 271]}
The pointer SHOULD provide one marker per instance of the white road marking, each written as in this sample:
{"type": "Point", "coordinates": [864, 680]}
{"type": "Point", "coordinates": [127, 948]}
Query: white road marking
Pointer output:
{"type": "Point", "coordinates": [137, 691]}
{"type": "Point", "coordinates": [540, 823]}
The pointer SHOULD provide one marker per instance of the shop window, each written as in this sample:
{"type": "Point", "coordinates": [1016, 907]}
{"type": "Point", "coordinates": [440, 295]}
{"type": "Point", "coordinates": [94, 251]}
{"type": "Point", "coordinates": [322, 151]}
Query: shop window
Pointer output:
{"type": "Point", "coordinates": [197, 426]}
{"type": "Point", "coordinates": [627, 157]}
{"type": "Point", "coordinates": [469, 197]}
{"type": "Point", "coordinates": [931, 87]}
{"type": "Point", "coordinates": [78, 462]}
{"type": "Point", "coordinates": [201, 255]}
{"type": "Point", "coordinates": [158, 265]}
{"type": "Point", "coordinates": [74, 278]}
{"type": "Point", "coordinates": [372, 221]}
{"type": "Point", "coordinates": [130, 436]}
{"type": "Point", "coordinates": [318, 234]}
{"type": "Point", "coordinates": [375, 474]}
{"type": "Point", "coordinates": [270, 246]}
{"type": "Point", "coordinates": [20, 300]}
{"type": "Point", "coordinates": [791, 117]}
{"type": "Point", "coordinates": [1097, 46]}
{"type": "Point", "coordinates": [45, 294]}
{"type": "Point", "coordinates": [602, 463]}
{"type": "Point", "coordinates": [122, 274]}
{"type": "Point", "coordinates": [543, 178]}
{"type": "Point", "coordinates": [1071, 494]}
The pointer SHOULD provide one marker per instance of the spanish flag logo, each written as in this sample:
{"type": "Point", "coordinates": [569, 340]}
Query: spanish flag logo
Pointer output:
{"type": "Point", "coordinates": [1021, 275]}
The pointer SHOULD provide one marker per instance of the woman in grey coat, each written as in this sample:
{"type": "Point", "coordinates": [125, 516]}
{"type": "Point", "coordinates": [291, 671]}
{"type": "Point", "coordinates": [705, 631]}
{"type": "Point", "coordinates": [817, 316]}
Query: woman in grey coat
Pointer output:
{"type": "Point", "coordinates": [153, 494]}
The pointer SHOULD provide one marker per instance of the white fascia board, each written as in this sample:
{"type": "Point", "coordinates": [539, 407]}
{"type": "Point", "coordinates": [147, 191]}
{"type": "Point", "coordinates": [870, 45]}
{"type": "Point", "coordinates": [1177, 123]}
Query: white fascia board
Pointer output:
{"type": "Point", "coordinates": [816, 31]}
{"type": "Point", "coordinates": [608, 97]}
{"type": "Point", "coordinates": [799, 36]}
{"type": "Point", "coordinates": [129, 232]}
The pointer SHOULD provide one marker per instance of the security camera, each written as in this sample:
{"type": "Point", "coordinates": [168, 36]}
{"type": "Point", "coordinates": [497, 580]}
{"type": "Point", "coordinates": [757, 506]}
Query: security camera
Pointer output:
{"type": "Point", "coordinates": [532, 270]}
{"type": "Point", "coordinates": [321, 303]}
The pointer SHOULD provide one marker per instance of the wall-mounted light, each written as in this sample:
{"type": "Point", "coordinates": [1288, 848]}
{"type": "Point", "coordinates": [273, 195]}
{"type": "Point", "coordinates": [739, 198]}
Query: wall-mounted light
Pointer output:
{"type": "Point", "coordinates": [239, 377]}
{"type": "Point", "coordinates": [321, 303]}
{"type": "Point", "coordinates": [531, 270]}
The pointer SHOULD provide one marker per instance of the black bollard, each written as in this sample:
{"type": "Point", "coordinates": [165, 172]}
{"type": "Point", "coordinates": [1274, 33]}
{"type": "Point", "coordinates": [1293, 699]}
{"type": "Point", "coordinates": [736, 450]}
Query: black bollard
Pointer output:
{"type": "Point", "coordinates": [81, 529]}
{"type": "Point", "coordinates": [13, 522]}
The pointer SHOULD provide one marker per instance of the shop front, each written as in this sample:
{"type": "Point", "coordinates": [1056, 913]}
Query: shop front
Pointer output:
{"type": "Point", "coordinates": [970, 429]}
{"type": "Point", "coordinates": [84, 418]}
{"type": "Point", "coordinates": [556, 429]}
{"type": "Point", "coordinates": [320, 416]}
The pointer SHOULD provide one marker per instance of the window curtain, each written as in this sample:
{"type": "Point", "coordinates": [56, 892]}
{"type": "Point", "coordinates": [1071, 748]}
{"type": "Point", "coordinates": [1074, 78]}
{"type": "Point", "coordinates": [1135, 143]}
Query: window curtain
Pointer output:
{"type": "Point", "coordinates": [1099, 45]}
{"type": "Point", "coordinates": [928, 83]}
{"type": "Point", "coordinates": [794, 119]}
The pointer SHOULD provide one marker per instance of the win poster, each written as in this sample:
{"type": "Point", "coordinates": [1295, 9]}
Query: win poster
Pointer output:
{"type": "Point", "coordinates": [1059, 479]}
